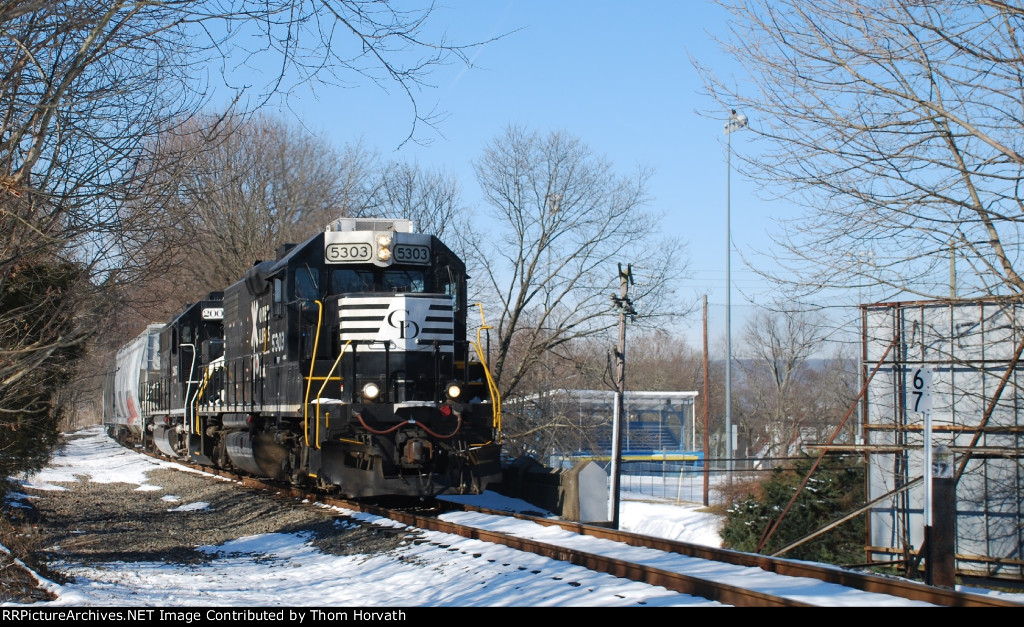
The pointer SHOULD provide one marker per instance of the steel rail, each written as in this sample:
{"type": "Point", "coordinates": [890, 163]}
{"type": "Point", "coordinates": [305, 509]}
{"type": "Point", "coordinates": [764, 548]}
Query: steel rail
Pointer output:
{"type": "Point", "coordinates": [866, 582]}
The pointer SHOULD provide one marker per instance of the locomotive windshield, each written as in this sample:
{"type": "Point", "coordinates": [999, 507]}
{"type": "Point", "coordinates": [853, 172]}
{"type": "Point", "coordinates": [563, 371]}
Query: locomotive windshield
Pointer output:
{"type": "Point", "coordinates": [404, 281]}
{"type": "Point", "coordinates": [347, 280]}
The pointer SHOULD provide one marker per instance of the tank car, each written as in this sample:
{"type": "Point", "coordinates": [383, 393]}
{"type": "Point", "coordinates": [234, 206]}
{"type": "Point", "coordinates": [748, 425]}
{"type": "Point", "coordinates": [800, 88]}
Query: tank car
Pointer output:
{"type": "Point", "coordinates": [125, 394]}
{"type": "Point", "coordinates": [344, 363]}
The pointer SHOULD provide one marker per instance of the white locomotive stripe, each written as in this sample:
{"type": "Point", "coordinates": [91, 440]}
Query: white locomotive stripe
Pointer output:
{"type": "Point", "coordinates": [409, 322]}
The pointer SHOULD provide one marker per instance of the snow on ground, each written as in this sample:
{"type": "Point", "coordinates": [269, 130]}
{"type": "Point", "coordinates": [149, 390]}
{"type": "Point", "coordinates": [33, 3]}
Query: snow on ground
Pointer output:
{"type": "Point", "coordinates": [284, 570]}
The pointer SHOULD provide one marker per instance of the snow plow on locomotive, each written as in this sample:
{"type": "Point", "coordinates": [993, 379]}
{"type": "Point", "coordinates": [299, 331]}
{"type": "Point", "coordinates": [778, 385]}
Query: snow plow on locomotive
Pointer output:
{"type": "Point", "coordinates": [344, 364]}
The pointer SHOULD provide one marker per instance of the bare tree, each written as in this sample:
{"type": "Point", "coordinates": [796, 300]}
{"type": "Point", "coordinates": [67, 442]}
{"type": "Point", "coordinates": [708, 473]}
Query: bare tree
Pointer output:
{"type": "Point", "coordinates": [430, 198]}
{"type": "Point", "coordinates": [897, 123]}
{"type": "Point", "coordinates": [86, 87]}
{"type": "Point", "coordinates": [337, 42]}
{"type": "Point", "coordinates": [560, 219]}
{"type": "Point", "coordinates": [776, 403]}
{"type": "Point", "coordinates": [659, 360]}
{"type": "Point", "coordinates": [81, 84]}
{"type": "Point", "coordinates": [250, 185]}
{"type": "Point", "coordinates": [231, 189]}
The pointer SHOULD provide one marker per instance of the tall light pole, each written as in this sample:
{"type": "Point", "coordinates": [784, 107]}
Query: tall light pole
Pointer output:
{"type": "Point", "coordinates": [735, 122]}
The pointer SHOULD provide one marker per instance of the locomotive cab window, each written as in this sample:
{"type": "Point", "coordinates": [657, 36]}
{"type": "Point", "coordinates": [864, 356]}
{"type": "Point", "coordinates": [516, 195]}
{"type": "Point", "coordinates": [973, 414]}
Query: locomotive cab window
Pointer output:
{"type": "Point", "coordinates": [448, 283]}
{"type": "Point", "coordinates": [405, 281]}
{"type": "Point", "coordinates": [278, 303]}
{"type": "Point", "coordinates": [307, 282]}
{"type": "Point", "coordinates": [346, 280]}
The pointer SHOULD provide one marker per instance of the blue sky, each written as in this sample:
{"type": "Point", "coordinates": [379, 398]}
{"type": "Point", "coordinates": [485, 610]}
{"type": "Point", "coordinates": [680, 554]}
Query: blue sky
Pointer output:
{"type": "Point", "coordinates": [616, 75]}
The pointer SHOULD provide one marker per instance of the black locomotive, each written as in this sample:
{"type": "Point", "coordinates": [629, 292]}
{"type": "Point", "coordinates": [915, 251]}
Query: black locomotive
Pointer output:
{"type": "Point", "coordinates": [344, 363]}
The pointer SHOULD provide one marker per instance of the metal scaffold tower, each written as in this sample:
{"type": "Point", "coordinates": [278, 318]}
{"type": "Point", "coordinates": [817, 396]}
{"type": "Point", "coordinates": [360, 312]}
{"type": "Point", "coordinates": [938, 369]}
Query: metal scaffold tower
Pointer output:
{"type": "Point", "coordinates": [971, 352]}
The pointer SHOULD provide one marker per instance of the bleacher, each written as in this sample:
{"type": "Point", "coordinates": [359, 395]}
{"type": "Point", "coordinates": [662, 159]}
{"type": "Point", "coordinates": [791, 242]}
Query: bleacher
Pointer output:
{"type": "Point", "coordinates": [642, 436]}
{"type": "Point", "coordinates": [647, 447]}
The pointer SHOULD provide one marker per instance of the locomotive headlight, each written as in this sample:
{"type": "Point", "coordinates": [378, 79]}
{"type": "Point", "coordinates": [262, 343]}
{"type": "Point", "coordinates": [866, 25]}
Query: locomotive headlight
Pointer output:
{"type": "Point", "coordinates": [453, 390]}
{"type": "Point", "coordinates": [384, 246]}
{"type": "Point", "coordinates": [371, 391]}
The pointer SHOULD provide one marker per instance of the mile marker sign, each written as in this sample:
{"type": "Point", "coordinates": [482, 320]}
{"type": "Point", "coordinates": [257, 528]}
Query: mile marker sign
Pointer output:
{"type": "Point", "coordinates": [919, 396]}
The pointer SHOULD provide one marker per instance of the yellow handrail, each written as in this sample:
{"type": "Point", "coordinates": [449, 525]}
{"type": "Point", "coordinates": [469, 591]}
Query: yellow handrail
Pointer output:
{"type": "Point", "coordinates": [188, 387]}
{"type": "Point", "coordinates": [312, 365]}
{"type": "Point", "coordinates": [320, 393]}
{"type": "Point", "coordinates": [195, 403]}
{"type": "Point", "coordinates": [210, 369]}
{"type": "Point", "coordinates": [491, 385]}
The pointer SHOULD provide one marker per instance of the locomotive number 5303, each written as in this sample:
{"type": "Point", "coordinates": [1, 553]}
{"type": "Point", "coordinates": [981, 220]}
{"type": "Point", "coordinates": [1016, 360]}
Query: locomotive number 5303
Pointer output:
{"type": "Point", "coordinates": [342, 253]}
{"type": "Point", "coordinates": [410, 253]}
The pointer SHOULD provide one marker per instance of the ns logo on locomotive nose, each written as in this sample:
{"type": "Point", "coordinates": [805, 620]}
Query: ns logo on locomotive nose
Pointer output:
{"type": "Point", "coordinates": [407, 329]}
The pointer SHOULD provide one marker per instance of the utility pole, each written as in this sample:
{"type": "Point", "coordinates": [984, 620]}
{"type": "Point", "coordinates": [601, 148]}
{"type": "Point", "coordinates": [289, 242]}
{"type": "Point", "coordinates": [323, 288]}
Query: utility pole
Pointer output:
{"type": "Point", "coordinates": [625, 307]}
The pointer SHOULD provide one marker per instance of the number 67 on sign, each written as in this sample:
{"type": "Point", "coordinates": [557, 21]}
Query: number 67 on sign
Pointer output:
{"type": "Point", "coordinates": [919, 396]}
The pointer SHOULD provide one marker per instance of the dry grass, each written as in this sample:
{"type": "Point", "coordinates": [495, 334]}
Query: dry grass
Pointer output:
{"type": "Point", "coordinates": [18, 584]}
{"type": "Point", "coordinates": [740, 488]}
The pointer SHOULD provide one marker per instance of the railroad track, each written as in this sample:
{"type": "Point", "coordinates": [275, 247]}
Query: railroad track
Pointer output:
{"type": "Point", "coordinates": [722, 586]}
{"type": "Point", "coordinates": [864, 582]}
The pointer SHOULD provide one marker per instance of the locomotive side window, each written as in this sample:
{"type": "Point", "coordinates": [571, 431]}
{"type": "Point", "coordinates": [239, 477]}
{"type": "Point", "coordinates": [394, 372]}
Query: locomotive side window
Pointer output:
{"type": "Point", "coordinates": [278, 303]}
{"type": "Point", "coordinates": [448, 283]}
{"type": "Point", "coordinates": [345, 280]}
{"type": "Point", "coordinates": [405, 281]}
